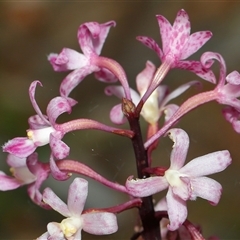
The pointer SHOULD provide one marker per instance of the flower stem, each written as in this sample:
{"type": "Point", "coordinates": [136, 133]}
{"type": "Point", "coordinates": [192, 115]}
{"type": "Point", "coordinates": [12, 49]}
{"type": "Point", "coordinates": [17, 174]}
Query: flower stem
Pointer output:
{"type": "Point", "coordinates": [77, 167]}
{"type": "Point", "coordinates": [146, 211]}
{"type": "Point", "coordinates": [116, 69]}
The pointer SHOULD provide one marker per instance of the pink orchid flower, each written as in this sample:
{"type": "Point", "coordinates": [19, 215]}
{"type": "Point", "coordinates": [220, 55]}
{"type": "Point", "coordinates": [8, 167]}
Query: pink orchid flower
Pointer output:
{"type": "Point", "coordinates": [93, 222]}
{"type": "Point", "coordinates": [177, 45]}
{"type": "Point", "coordinates": [183, 182]}
{"type": "Point", "coordinates": [227, 90]}
{"type": "Point", "coordinates": [155, 105]}
{"type": "Point", "coordinates": [91, 37]}
{"type": "Point", "coordinates": [42, 128]}
{"type": "Point", "coordinates": [26, 171]}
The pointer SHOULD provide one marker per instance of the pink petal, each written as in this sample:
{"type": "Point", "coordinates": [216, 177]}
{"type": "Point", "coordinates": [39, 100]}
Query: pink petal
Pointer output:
{"type": "Point", "coordinates": [77, 195]}
{"type": "Point", "coordinates": [38, 169]}
{"type": "Point", "coordinates": [44, 236]}
{"type": "Point", "coordinates": [32, 89]}
{"type": "Point", "coordinates": [118, 91]}
{"type": "Point", "coordinates": [8, 183]}
{"type": "Point", "coordinates": [180, 147]}
{"type": "Point", "coordinates": [116, 115]}
{"type": "Point", "coordinates": [21, 147]}
{"type": "Point", "coordinates": [207, 59]}
{"type": "Point", "coordinates": [197, 68]}
{"type": "Point", "coordinates": [169, 110]}
{"type": "Point", "coordinates": [56, 107]}
{"type": "Point", "coordinates": [55, 202]}
{"type": "Point", "coordinates": [55, 232]}
{"type": "Point", "coordinates": [233, 78]}
{"type": "Point", "coordinates": [161, 205]}
{"type": "Point", "coordinates": [177, 210]}
{"type": "Point", "coordinates": [59, 148]}
{"type": "Point", "coordinates": [56, 172]}
{"type": "Point", "coordinates": [230, 91]}
{"type": "Point", "coordinates": [100, 223]}
{"type": "Point", "coordinates": [195, 42]}
{"type": "Point", "coordinates": [145, 77]}
{"type": "Point", "coordinates": [150, 43]}
{"type": "Point", "coordinates": [162, 91]}
{"type": "Point", "coordinates": [184, 190]}
{"type": "Point", "coordinates": [179, 35]}
{"type": "Point", "coordinates": [105, 75]}
{"type": "Point", "coordinates": [14, 161]}
{"type": "Point", "coordinates": [232, 116]}
{"type": "Point", "coordinates": [165, 32]}
{"type": "Point", "coordinates": [145, 187]}
{"type": "Point", "coordinates": [74, 78]}
{"type": "Point", "coordinates": [206, 188]}
{"type": "Point", "coordinates": [178, 91]}
{"type": "Point", "coordinates": [67, 59]}
{"type": "Point", "coordinates": [92, 35]}
{"type": "Point", "coordinates": [36, 122]}
{"type": "Point", "coordinates": [207, 164]}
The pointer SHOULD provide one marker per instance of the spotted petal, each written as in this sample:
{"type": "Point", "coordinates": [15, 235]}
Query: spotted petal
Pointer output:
{"type": "Point", "coordinates": [92, 35]}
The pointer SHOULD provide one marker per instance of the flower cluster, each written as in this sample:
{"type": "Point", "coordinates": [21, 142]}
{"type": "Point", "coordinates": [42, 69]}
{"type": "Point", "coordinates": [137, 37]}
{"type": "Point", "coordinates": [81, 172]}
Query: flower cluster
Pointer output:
{"type": "Point", "coordinates": [152, 101]}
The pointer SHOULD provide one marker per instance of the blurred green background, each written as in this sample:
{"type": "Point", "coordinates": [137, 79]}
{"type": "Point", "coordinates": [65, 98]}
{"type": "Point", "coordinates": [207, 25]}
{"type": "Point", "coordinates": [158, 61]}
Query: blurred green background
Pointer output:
{"type": "Point", "coordinates": [31, 30]}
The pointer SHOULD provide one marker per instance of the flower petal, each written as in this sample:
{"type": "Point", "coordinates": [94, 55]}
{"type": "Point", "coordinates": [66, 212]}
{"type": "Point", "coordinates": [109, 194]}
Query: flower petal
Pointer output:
{"type": "Point", "coordinates": [197, 68]}
{"type": "Point", "coordinates": [145, 77]}
{"type": "Point", "coordinates": [8, 183]}
{"type": "Point", "coordinates": [92, 35]}
{"type": "Point", "coordinates": [67, 59]}
{"type": "Point", "coordinates": [232, 116]}
{"type": "Point", "coordinates": [100, 223]}
{"type": "Point", "coordinates": [56, 172]}
{"type": "Point", "coordinates": [116, 115]}
{"type": "Point", "coordinates": [179, 35]}
{"type": "Point", "coordinates": [56, 107]}
{"type": "Point", "coordinates": [207, 164]}
{"type": "Point", "coordinates": [55, 202]}
{"type": "Point", "coordinates": [74, 78]}
{"type": "Point", "coordinates": [105, 75]}
{"type": "Point", "coordinates": [59, 148]}
{"type": "Point", "coordinates": [146, 187]}
{"type": "Point", "coordinates": [36, 122]}
{"type": "Point", "coordinates": [21, 147]}
{"type": "Point", "coordinates": [77, 195]}
{"type": "Point", "coordinates": [195, 42]}
{"type": "Point", "coordinates": [55, 232]}
{"type": "Point", "coordinates": [177, 210]}
{"type": "Point", "coordinates": [233, 78]}
{"type": "Point", "coordinates": [38, 169]}
{"type": "Point", "coordinates": [32, 89]}
{"type": "Point", "coordinates": [178, 91]}
{"type": "Point", "coordinates": [44, 236]}
{"type": "Point", "coordinates": [169, 110]}
{"type": "Point", "coordinates": [180, 147]}
{"type": "Point", "coordinates": [206, 188]}
{"type": "Point", "coordinates": [165, 31]}
{"type": "Point", "coordinates": [161, 205]}
{"type": "Point", "coordinates": [14, 161]}
{"type": "Point", "coordinates": [150, 43]}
